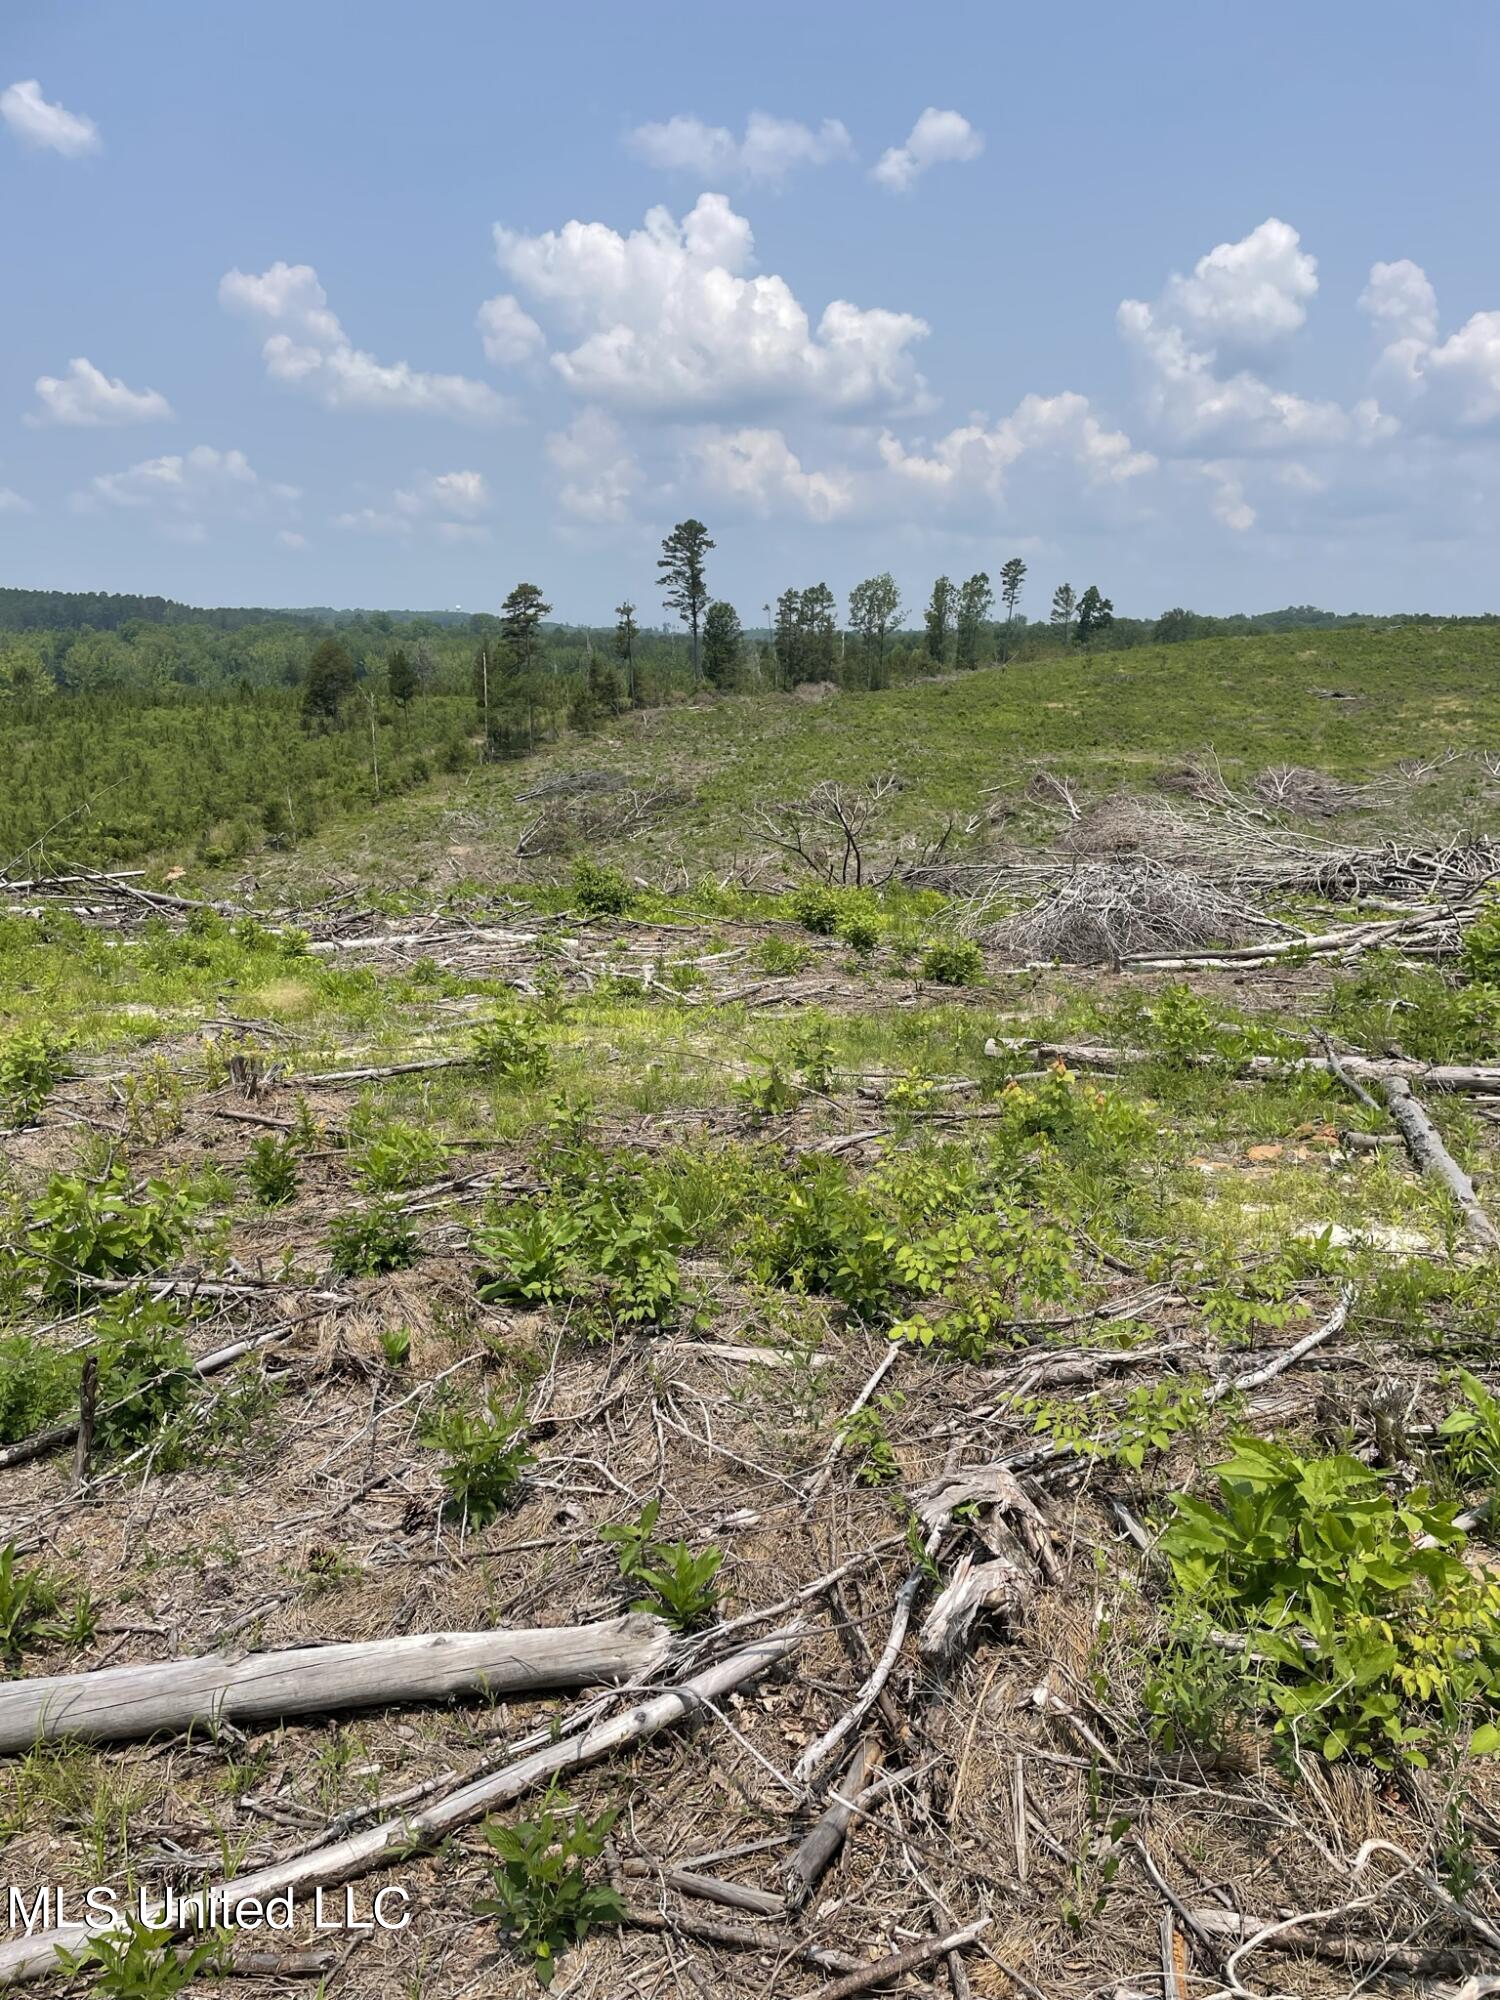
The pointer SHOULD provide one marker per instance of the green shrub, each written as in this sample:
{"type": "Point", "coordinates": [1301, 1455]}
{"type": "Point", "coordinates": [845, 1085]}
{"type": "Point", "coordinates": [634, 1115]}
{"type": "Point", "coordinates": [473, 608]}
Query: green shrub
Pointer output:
{"type": "Point", "coordinates": [488, 1458]}
{"type": "Point", "coordinates": [395, 1347]}
{"type": "Point", "coordinates": [513, 1050]}
{"type": "Point", "coordinates": [524, 1254]}
{"type": "Point", "coordinates": [859, 926]}
{"type": "Point", "coordinates": [781, 957]}
{"type": "Point", "coordinates": [31, 1065]}
{"type": "Point", "coordinates": [371, 1240]}
{"type": "Point", "coordinates": [817, 910]}
{"type": "Point", "coordinates": [272, 1171]}
{"type": "Point", "coordinates": [1380, 1637]}
{"type": "Point", "coordinates": [542, 1892]}
{"type": "Point", "coordinates": [599, 891]}
{"type": "Point", "coordinates": [1480, 953]}
{"type": "Point", "coordinates": [401, 1156]}
{"type": "Point", "coordinates": [952, 962]}
{"type": "Point", "coordinates": [29, 1600]}
{"type": "Point", "coordinates": [105, 1228]}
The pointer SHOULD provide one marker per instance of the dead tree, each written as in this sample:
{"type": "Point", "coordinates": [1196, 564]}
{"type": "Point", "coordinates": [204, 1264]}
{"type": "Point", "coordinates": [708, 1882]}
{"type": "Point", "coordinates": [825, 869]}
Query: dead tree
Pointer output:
{"type": "Point", "coordinates": [828, 830]}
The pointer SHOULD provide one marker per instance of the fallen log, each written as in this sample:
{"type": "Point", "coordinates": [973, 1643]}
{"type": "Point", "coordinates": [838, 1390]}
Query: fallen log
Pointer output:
{"type": "Point", "coordinates": [1431, 1156]}
{"type": "Point", "coordinates": [119, 1703]}
{"type": "Point", "coordinates": [1461, 1078]}
{"type": "Point", "coordinates": [395, 1839]}
{"type": "Point", "coordinates": [1370, 1955]}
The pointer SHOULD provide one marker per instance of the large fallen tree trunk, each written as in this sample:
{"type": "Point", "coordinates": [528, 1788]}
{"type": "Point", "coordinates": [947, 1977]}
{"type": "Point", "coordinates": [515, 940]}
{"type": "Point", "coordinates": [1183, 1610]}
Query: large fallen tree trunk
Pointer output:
{"type": "Point", "coordinates": [1477, 1078]}
{"type": "Point", "coordinates": [1425, 1144]}
{"type": "Point", "coordinates": [396, 1839]}
{"type": "Point", "coordinates": [119, 1703]}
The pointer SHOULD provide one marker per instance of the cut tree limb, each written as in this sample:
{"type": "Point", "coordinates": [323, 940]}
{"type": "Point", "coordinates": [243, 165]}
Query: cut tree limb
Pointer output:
{"type": "Point", "coordinates": [1256, 1378]}
{"type": "Point", "coordinates": [120, 1703]}
{"type": "Point", "coordinates": [899, 1963]}
{"type": "Point", "coordinates": [816, 1854]}
{"type": "Point", "coordinates": [1425, 1144]}
{"type": "Point", "coordinates": [395, 1839]}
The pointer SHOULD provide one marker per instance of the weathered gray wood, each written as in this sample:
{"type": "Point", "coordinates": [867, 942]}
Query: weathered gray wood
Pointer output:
{"type": "Point", "coordinates": [997, 1585]}
{"type": "Point", "coordinates": [815, 1856]}
{"type": "Point", "coordinates": [395, 1839]}
{"type": "Point", "coordinates": [119, 1703]}
{"type": "Point", "coordinates": [1425, 1144]}
{"type": "Point", "coordinates": [1479, 1079]}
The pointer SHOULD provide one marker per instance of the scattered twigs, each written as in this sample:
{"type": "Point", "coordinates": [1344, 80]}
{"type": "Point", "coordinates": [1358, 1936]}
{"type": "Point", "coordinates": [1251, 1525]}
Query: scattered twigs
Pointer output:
{"type": "Point", "coordinates": [1256, 1378]}
{"type": "Point", "coordinates": [825, 1470]}
{"type": "Point", "coordinates": [899, 1963]}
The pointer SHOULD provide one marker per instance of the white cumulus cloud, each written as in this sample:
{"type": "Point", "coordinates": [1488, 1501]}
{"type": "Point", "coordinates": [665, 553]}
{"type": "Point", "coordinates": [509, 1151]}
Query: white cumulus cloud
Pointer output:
{"type": "Point", "coordinates": [446, 504]}
{"type": "Point", "coordinates": [87, 396]}
{"type": "Point", "coordinates": [978, 457]}
{"type": "Point", "coordinates": [509, 333]}
{"type": "Point", "coordinates": [185, 492]}
{"type": "Point", "coordinates": [670, 322]}
{"type": "Point", "coordinates": [1241, 296]}
{"type": "Point", "coordinates": [938, 137]}
{"type": "Point", "coordinates": [49, 127]}
{"type": "Point", "coordinates": [1454, 383]}
{"type": "Point", "coordinates": [598, 473]}
{"type": "Point", "coordinates": [759, 470]}
{"type": "Point", "coordinates": [769, 150]}
{"type": "Point", "coordinates": [309, 350]}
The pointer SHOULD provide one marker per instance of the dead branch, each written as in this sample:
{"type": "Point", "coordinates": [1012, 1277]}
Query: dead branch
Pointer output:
{"type": "Point", "coordinates": [1425, 1144]}
{"type": "Point", "coordinates": [117, 1704]}
{"type": "Point", "coordinates": [394, 1839]}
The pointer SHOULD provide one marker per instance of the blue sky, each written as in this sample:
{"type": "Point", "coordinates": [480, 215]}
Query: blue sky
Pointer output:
{"type": "Point", "coordinates": [378, 304]}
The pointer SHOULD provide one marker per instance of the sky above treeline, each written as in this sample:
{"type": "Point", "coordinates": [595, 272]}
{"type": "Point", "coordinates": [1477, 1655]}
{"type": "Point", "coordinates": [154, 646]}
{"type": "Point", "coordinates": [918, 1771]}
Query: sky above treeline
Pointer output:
{"type": "Point", "coordinates": [365, 303]}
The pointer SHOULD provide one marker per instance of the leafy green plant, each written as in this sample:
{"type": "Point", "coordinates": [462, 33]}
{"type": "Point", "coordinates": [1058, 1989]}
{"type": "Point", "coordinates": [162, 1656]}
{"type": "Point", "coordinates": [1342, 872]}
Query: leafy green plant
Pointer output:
{"type": "Point", "coordinates": [680, 1585]}
{"type": "Point", "coordinates": [395, 1346]}
{"type": "Point", "coordinates": [864, 1434]}
{"type": "Point", "coordinates": [488, 1458]}
{"type": "Point", "coordinates": [31, 1066]}
{"type": "Point", "coordinates": [1382, 1638]}
{"type": "Point", "coordinates": [1470, 1434]}
{"type": "Point", "coordinates": [141, 1962]}
{"type": "Point", "coordinates": [28, 1600]}
{"type": "Point", "coordinates": [599, 891]}
{"type": "Point", "coordinates": [145, 1371]}
{"type": "Point", "coordinates": [817, 910]}
{"type": "Point", "coordinates": [1153, 1416]}
{"type": "Point", "coordinates": [631, 1243]}
{"type": "Point", "coordinates": [512, 1050]}
{"type": "Point", "coordinates": [781, 957]}
{"type": "Point", "coordinates": [952, 962]}
{"type": "Point", "coordinates": [524, 1254]}
{"type": "Point", "coordinates": [370, 1240]}
{"type": "Point", "coordinates": [1479, 954]}
{"type": "Point", "coordinates": [632, 1541]}
{"type": "Point", "coordinates": [106, 1228]}
{"type": "Point", "coordinates": [859, 926]}
{"type": "Point", "coordinates": [401, 1156]}
{"type": "Point", "coordinates": [272, 1171]}
{"type": "Point", "coordinates": [542, 1893]}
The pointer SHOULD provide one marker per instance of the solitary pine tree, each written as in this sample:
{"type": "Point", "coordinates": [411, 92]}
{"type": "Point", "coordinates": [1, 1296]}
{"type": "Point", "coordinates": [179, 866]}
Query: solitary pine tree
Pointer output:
{"type": "Point", "coordinates": [681, 569]}
{"type": "Point", "coordinates": [975, 603]}
{"type": "Point", "coordinates": [328, 683]}
{"type": "Point", "coordinates": [401, 679]}
{"type": "Point", "coordinates": [722, 638]}
{"type": "Point", "coordinates": [817, 620]}
{"type": "Point", "coordinates": [1064, 604]}
{"type": "Point", "coordinates": [1012, 581]}
{"type": "Point", "coordinates": [1095, 615]}
{"type": "Point", "coordinates": [625, 630]}
{"type": "Point", "coordinates": [874, 612]}
{"type": "Point", "coordinates": [516, 661]}
{"type": "Point", "coordinates": [938, 619]}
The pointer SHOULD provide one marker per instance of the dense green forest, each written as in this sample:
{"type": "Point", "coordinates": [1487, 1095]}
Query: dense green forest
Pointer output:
{"type": "Point", "coordinates": [135, 724]}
